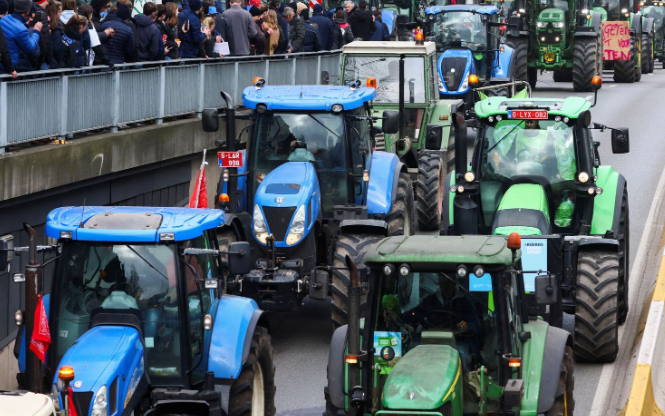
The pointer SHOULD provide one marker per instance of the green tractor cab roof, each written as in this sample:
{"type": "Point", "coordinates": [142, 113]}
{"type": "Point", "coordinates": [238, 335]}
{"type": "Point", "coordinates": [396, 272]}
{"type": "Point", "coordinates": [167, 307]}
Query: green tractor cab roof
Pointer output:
{"type": "Point", "coordinates": [389, 48]}
{"type": "Point", "coordinates": [551, 15]}
{"type": "Point", "coordinates": [569, 107]}
{"type": "Point", "coordinates": [433, 249]}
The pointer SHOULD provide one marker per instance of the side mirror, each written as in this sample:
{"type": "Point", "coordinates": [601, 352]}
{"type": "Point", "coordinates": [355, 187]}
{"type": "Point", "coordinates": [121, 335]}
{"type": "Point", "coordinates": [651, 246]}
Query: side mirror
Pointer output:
{"type": "Point", "coordinates": [546, 290]}
{"type": "Point", "coordinates": [620, 141]}
{"type": "Point", "coordinates": [240, 258]}
{"type": "Point", "coordinates": [210, 120]}
{"type": "Point", "coordinates": [514, 24]}
{"type": "Point", "coordinates": [318, 285]}
{"type": "Point", "coordinates": [433, 137]}
{"type": "Point", "coordinates": [6, 251]}
{"type": "Point", "coordinates": [390, 123]}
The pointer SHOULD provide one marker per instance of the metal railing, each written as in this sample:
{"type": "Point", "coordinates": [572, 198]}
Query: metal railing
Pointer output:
{"type": "Point", "coordinates": [57, 103]}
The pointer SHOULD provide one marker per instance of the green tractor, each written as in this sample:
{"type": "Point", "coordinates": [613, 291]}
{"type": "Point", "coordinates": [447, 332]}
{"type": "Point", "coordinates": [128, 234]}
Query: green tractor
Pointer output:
{"type": "Point", "coordinates": [425, 143]}
{"type": "Point", "coordinates": [435, 340]}
{"type": "Point", "coordinates": [559, 36]}
{"type": "Point", "coordinates": [656, 10]}
{"type": "Point", "coordinates": [536, 170]}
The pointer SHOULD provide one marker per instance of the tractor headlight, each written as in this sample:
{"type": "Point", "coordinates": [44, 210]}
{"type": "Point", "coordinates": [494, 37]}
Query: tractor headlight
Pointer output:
{"type": "Point", "coordinates": [542, 25]}
{"type": "Point", "coordinates": [297, 229]}
{"type": "Point", "coordinates": [558, 25]}
{"type": "Point", "coordinates": [583, 177]}
{"type": "Point", "coordinates": [469, 176]}
{"type": "Point", "coordinates": [465, 84]}
{"type": "Point", "coordinates": [100, 406]}
{"type": "Point", "coordinates": [585, 11]}
{"type": "Point", "coordinates": [624, 10]}
{"type": "Point", "coordinates": [260, 229]}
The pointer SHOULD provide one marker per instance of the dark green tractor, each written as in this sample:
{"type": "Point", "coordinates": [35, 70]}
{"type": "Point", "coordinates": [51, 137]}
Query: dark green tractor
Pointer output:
{"type": "Point", "coordinates": [656, 10]}
{"type": "Point", "coordinates": [446, 332]}
{"type": "Point", "coordinates": [536, 170]}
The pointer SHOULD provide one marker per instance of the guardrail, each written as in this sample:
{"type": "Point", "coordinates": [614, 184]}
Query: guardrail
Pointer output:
{"type": "Point", "coordinates": [56, 103]}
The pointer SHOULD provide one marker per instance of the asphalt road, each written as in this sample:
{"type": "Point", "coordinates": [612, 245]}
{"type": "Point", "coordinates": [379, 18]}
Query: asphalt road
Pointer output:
{"type": "Point", "coordinates": [301, 338]}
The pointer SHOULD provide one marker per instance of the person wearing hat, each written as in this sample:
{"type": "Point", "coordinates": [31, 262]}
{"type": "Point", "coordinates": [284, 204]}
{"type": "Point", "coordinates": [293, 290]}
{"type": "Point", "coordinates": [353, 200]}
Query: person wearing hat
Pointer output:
{"type": "Point", "coordinates": [300, 7]}
{"type": "Point", "coordinates": [276, 6]}
{"type": "Point", "coordinates": [343, 32]}
{"type": "Point", "coordinates": [121, 45]}
{"type": "Point", "coordinates": [5, 56]}
{"type": "Point", "coordinates": [312, 41]}
{"type": "Point", "coordinates": [45, 43]}
{"type": "Point", "coordinates": [190, 26]}
{"type": "Point", "coordinates": [151, 44]}
{"type": "Point", "coordinates": [23, 43]}
{"type": "Point", "coordinates": [326, 31]}
{"type": "Point", "coordinates": [212, 11]}
{"type": "Point", "coordinates": [100, 11]}
{"type": "Point", "coordinates": [257, 43]}
{"type": "Point", "coordinates": [241, 28]}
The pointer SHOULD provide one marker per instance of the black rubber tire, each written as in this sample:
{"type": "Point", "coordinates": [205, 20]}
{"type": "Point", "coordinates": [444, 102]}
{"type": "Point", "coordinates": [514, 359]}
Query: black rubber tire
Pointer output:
{"type": "Point", "coordinates": [429, 190]}
{"type": "Point", "coordinates": [564, 403]}
{"type": "Point", "coordinates": [533, 77]}
{"type": "Point", "coordinates": [624, 265]}
{"type": "Point", "coordinates": [624, 71]}
{"type": "Point", "coordinates": [586, 58]}
{"type": "Point", "coordinates": [596, 312]}
{"type": "Point", "coordinates": [638, 65]}
{"type": "Point", "coordinates": [564, 75]}
{"type": "Point", "coordinates": [520, 58]}
{"type": "Point", "coordinates": [647, 56]}
{"type": "Point", "coordinates": [400, 222]}
{"type": "Point", "coordinates": [242, 390]}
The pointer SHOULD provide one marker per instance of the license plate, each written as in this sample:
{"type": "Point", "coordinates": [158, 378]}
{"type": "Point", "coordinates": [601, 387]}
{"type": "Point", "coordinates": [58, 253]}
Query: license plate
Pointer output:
{"type": "Point", "coordinates": [528, 114]}
{"type": "Point", "coordinates": [229, 159]}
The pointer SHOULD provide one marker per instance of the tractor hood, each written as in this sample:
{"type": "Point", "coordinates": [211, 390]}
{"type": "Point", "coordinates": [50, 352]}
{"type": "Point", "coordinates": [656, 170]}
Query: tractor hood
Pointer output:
{"type": "Point", "coordinates": [423, 379]}
{"type": "Point", "coordinates": [551, 15]}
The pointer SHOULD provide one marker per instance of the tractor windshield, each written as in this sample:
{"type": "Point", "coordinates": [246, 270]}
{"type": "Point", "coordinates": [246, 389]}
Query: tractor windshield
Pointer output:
{"type": "Point", "coordinates": [386, 71]}
{"type": "Point", "coordinates": [458, 29]}
{"type": "Point", "coordinates": [610, 6]}
{"type": "Point", "coordinates": [506, 8]}
{"type": "Point", "coordinates": [655, 12]}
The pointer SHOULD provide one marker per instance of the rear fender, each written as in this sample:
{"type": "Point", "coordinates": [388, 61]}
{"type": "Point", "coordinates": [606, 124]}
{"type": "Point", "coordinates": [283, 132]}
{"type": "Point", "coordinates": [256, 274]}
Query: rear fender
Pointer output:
{"type": "Point", "coordinates": [636, 24]}
{"type": "Point", "coordinates": [556, 341]}
{"type": "Point", "coordinates": [607, 206]}
{"type": "Point", "coordinates": [383, 180]}
{"type": "Point", "coordinates": [336, 367]}
{"type": "Point", "coordinates": [647, 25]}
{"type": "Point", "coordinates": [605, 244]}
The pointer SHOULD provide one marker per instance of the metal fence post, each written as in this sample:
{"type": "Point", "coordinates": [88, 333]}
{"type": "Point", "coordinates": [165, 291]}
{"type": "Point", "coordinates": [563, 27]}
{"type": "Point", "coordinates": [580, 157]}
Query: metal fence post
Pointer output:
{"type": "Point", "coordinates": [64, 85]}
{"type": "Point", "coordinates": [293, 78]}
{"type": "Point", "coordinates": [202, 89]}
{"type": "Point", "coordinates": [116, 102]}
{"type": "Point", "coordinates": [318, 70]}
{"type": "Point", "coordinates": [235, 84]}
{"type": "Point", "coordinates": [3, 117]}
{"type": "Point", "coordinates": [162, 94]}
{"type": "Point", "coordinates": [267, 78]}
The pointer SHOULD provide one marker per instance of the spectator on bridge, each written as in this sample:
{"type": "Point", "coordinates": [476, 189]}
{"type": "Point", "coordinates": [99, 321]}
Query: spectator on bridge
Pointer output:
{"type": "Point", "coordinates": [169, 27]}
{"type": "Point", "coordinates": [151, 46]}
{"type": "Point", "coordinates": [100, 11]}
{"type": "Point", "coordinates": [275, 38]}
{"type": "Point", "coordinates": [45, 44]}
{"type": "Point", "coordinates": [241, 28]}
{"type": "Point", "coordinates": [342, 30]}
{"type": "Point", "coordinates": [212, 38]}
{"type": "Point", "coordinates": [68, 10]}
{"type": "Point", "coordinates": [312, 41]}
{"type": "Point", "coordinates": [362, 22]}
{"type": "Point", "coordinates": [296, 30]}
{"type": "Point", "coordinates": [190, 24]}
{"type": "Point", "coordinates": [5, 57]}
{"type": "Point", "coordinates": [23, 42]}
{"type": "Point", "coordinates": [257, 43]}
{"type": "Point", "coordinates": [88, 12]}
{"type": "Point", "coordinates": [53, 12]}
{"type": "Point", "coordinates": [275, 6]}
{"type": "Point", "coordinates": [381, 33]}
{"type": "Point", "coordinates": [121, 44]}
{"type": "Point", "coordinates": [325, 26]}
{"type": "Point", "coordinates": [4, 8]}
{"type": "Point", "coordinates": [75, 54]}
{"type": "Point", "coordinates": [349, 8]}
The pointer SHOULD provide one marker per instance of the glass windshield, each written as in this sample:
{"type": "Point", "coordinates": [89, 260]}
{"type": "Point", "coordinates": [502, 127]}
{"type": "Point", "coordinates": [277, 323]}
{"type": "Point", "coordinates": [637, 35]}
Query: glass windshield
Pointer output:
{"type": "Point", "coordinates": [136, 277]}
{"type": "Point", "coordinates": [386, 72]}
{"type": "Point", "coordinates": [656, 13]}
{"type": "Point", "coordinates": [609, 5]}
{"type": "Point", "coordinates": [297, 137]}
{"type": "Point", "coordinates": [553, 4]}
{"type": "Point", "coordinates": [505, 7]}
{"type": "Point", "coordinates": [455, 29]}
{"type": "Point", "coordinates": [540, 148]}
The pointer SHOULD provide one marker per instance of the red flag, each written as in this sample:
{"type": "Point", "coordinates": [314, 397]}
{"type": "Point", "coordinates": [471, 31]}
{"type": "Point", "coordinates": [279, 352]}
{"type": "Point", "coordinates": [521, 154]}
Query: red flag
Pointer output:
{"type": "Point", "coordinates": [199, 197]}
{"type": "Point", "coordinates": [70, 401]}
{"type": "Point", "coordinates": [41, 333]}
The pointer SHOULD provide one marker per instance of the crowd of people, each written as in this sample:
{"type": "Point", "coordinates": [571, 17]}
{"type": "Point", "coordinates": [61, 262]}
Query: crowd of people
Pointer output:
{"type": "Point", "coordinates": [54, 34]}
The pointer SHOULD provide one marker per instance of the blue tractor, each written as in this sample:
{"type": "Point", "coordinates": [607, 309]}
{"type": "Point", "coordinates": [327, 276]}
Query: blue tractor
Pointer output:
{"type": "Point", "coordinates": [312, 190]}
{"type": "Point", "coordinates": [138, 321]}
{"type": "Point", "coordinates": [471, 49]}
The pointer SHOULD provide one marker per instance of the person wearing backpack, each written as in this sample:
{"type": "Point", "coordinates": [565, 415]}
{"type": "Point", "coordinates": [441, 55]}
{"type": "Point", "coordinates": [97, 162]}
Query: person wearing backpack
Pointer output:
{"type": "Point", "coordinates": [342, 30]}
{"type": "Point", "coordinates": [74, 54]}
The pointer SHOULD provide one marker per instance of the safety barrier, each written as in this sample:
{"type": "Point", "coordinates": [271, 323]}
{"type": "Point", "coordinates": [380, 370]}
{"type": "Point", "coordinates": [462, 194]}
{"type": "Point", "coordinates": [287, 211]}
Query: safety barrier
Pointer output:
{"type": "Point", "coordinates": [57, 103]}
{"type": "Point", "coordinates": [646, 393]}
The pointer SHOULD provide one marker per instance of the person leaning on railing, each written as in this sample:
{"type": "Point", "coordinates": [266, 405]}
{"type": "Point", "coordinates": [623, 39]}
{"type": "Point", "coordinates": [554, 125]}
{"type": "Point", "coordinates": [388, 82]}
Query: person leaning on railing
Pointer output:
{"type": "Point", "coordinates": [5, 57]}
{"type": "Point", "coordinates": [189, 23]}
{"type": "Point", "coordinates": [121, 44]}
{"type": "Point", "coordinates": [23, 43]}
{"type": "Point", "coordinates": [100, 11]}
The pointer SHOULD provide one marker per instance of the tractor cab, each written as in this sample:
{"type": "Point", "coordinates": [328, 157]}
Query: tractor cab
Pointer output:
{"type": "Point", "coordinates": [445, 331]}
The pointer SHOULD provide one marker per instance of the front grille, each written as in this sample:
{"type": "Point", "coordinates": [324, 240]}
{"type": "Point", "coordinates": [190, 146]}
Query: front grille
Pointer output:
{"type": "Point", "coordinates": [82, 401]}
{"type": "Point", "coordinates": [452, 70]}
{"type": "Point", "coordinates": [278, 219]}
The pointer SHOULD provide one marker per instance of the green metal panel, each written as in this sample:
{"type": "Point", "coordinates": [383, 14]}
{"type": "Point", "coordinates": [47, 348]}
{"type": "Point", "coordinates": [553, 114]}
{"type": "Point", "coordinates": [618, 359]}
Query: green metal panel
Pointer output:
{"type": "Point", "coordinates": [604, 204]}
{"type": "Point", "coordinates": [517, 229]}
{"type": "Point", "coordinates": [569, 107]}
{"type": "Point", "coordinates": [423, 379]}
{"type": "Point", "coordinates": [551, 15]}
{"type": "Point", "coordinates": [532, 365]}
{"type": "Point", "coordinates": [525, 196]}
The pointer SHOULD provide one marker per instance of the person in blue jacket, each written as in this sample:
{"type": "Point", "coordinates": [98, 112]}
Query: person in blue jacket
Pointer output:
{"type": "Point", "coordinates": [74, 53]}
{"type": "Point", "coordinates": [381, 33]}
{"type": "Point", "coordinates": [121, 44]}
{"type": "Point", "coordinates": [190, 27]}
{"type": "Point", "coordinates": [312, 41]}
{"type": "Point", "coordinates": [151, 45]}
{"type": "Point", "coordinates": [326, 29]}
{"type": "Point", "coordinates": [23, 43]}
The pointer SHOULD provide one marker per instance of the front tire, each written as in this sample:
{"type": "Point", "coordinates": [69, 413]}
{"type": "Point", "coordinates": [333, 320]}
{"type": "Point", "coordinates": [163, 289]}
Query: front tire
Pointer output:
{"type": "Point", "coordinates": [596, 309]}
{"type": "Point", "coordinates": [429, 190]}
{"type": "Point", "coordinates": [646, 53]}
{"type": "Point", "coordinates": [624, 265]}
{"type": "Point", "coordinates": [253, 392]}
{"type": "Point", "coordinates": [520, 56]}
{"type": "Point", "coordinates": [564, 403]}
{"type": "Point", "coordinates": [585, 63]}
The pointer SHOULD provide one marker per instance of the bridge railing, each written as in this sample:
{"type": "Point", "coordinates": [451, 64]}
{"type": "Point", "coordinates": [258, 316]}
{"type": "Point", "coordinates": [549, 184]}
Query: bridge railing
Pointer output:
{"type": "Point", "coordinates": [57, 103]}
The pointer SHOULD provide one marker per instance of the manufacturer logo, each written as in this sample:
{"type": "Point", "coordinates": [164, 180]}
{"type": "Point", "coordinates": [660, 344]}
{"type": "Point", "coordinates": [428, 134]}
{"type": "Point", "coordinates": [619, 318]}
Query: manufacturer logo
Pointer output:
{"type": "Point", "coordinates": [78, 384]}
{"type": "Point", "coordinates": [279, 199]}
{"type": "Point", "coordinates": [412, 395]}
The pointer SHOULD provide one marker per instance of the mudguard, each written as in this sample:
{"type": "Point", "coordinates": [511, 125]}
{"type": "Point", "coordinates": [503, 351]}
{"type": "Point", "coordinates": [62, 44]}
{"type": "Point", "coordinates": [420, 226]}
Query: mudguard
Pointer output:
{"type": "Point", "coordinates": [504, 69]}
{"type": "Point", "coordinates": [108, 355]}
{"type": "Point", "coordinates": [336, 376]}
{"type": "Point", "coordinates": [591, 30]}
{"type": "Point", "coordinates": [607, 206]}
{"type": "Point", "coordinates": [636, 24]}
{"type": "Point", "coordinates": [231, 337]}
{"type": "Point", "coordinates": [469, 69]}
{"type": "Point", "coordinates": [607, 244]}
{"type": "Point", "coordinates": [383, 179]}
{"type": "Point", "coordinates": [242, 181]}
{"type": "Point", "coordinates": [557, 339]}
{"type": "Point", "coordinates": [647, 25]}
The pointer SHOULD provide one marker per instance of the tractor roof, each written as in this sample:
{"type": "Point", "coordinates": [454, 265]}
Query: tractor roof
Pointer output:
{"type": "Point", "coordinates": [313, 98]}
{"type": "Point", "coordinates": [131, 224]}
{"type": "Point", "coordinates": [567, 107]}
{"type": "Point", "coordinates": [474, 8]}
{"type": "Point", "coordinates": [434, 250]}
{"type": "Point", "coordinates": [389, 48]}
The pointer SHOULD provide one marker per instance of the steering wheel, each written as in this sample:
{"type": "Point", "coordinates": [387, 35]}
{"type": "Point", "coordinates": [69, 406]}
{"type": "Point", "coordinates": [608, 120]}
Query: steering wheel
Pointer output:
{"type": "Point", "coordinates": [439, 312]}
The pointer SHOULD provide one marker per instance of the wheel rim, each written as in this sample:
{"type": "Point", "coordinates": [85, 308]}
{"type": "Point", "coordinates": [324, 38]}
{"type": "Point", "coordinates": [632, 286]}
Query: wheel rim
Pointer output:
{"type": "Point", "coordinates": [258, 392]}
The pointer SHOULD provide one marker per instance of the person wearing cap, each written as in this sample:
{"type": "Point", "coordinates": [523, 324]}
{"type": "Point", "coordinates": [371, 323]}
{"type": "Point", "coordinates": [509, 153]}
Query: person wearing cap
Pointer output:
{"type": "Point", "coordinates": [190, 26]}
{"type": "Point", "coordinates": [121, 45]}
{"type": "Point", "coordinates": [151, 45]}
{"type": "Point", "coordinates": [23, 43]}
{"type": "Point", "coordinates": [45, 43]}
{"type": "Point", "coordinates": [296, 30]}
{"type": "Point", "coordinates": [325, 25]}
{"type": "Point", "coordinates": [312, 41]}
{"type": "Point", "coordinates": [241, 27]}
{"type": "Point", "coordinates": [257, 43]}
{"type": "Point", "coordinates": [212, 11]}
{"type": "Point", "coordinates": [300, 7]}
{"type": "Point", "coordinates": [5, 56]}
{"type": "Point", "coordinates": [343, 32]}
{"type": "Point", "coordinates": [276, 6]}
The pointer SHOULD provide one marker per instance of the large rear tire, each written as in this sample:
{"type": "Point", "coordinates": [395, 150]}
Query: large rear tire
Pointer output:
{"type": "Point", "coordinates": [624, 265]}
{"type": "Point", "coordinates": [400, 222]}
{"type": "Point", "coordinates": [253, 392]}
{"type": "Point", "coordinates": [596, 309]}
{"type": "Point", "coordinates": [585, 63]}
{"type": "Point", "coordinates": [520, 59]}
{"type": "Point", "coordinates": [647, 53]}
{"type": "Point", "coordinates": [429, 190]}
{"type": "Point", "coordinates": [624, 71]}
{"type": "Point", "coordinates": [564, 403]}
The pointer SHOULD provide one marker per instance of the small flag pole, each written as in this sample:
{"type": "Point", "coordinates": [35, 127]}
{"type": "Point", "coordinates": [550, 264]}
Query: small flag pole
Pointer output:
{"type": "Point", "coordinates": [198, 183]}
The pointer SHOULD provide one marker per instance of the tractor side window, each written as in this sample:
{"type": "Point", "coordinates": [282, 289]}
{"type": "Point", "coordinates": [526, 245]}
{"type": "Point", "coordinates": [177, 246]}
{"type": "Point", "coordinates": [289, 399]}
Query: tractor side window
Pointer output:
{"type": "Point", "coordinates": [386, 72]}
{"type": "Point", "coordinates": [197, 268]}
{"type": "Point", "coordinates": [359, 133]}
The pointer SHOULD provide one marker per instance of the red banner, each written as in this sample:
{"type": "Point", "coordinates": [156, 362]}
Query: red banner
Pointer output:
{"type": "Point", "coordinates": [41, 333]}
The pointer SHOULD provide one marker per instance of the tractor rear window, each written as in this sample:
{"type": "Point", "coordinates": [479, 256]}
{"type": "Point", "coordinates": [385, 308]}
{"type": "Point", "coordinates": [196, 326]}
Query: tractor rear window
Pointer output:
{"type": "Point", "coordinates": [455, 29]}
{"type": "Point", "coordinates": [386, 71]}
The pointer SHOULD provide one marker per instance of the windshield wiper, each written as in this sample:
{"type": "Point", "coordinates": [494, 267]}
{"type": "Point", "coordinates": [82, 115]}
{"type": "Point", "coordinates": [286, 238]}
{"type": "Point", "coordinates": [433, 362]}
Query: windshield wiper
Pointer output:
{"type": "Point", "coordinates": [324, 126]}
{"type": "Point", "coordinates": [507, 134]}
{"type": "Point", "coordinates": [376, 60]}
{"type": "Point", "coordinates": [147, 262]}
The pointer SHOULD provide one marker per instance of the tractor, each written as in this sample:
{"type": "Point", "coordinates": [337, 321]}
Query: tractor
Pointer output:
{"type": "Point", "coordinates": [311, 190]}
{"type": "Point", "coordinates": [536, 170]}
{"type": "Point", "coordinates": [434, 340]}
{"type": "Point", "coordinates": [139, 323]}
{"type": "Point", "coordinates": [656, 10]}
{"type": "Point", "coordinates": [470, 45]}
{"type": "Point", "coordinates": [425, 143]}
{"type": "Point", "coordinates": [559, 36]}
